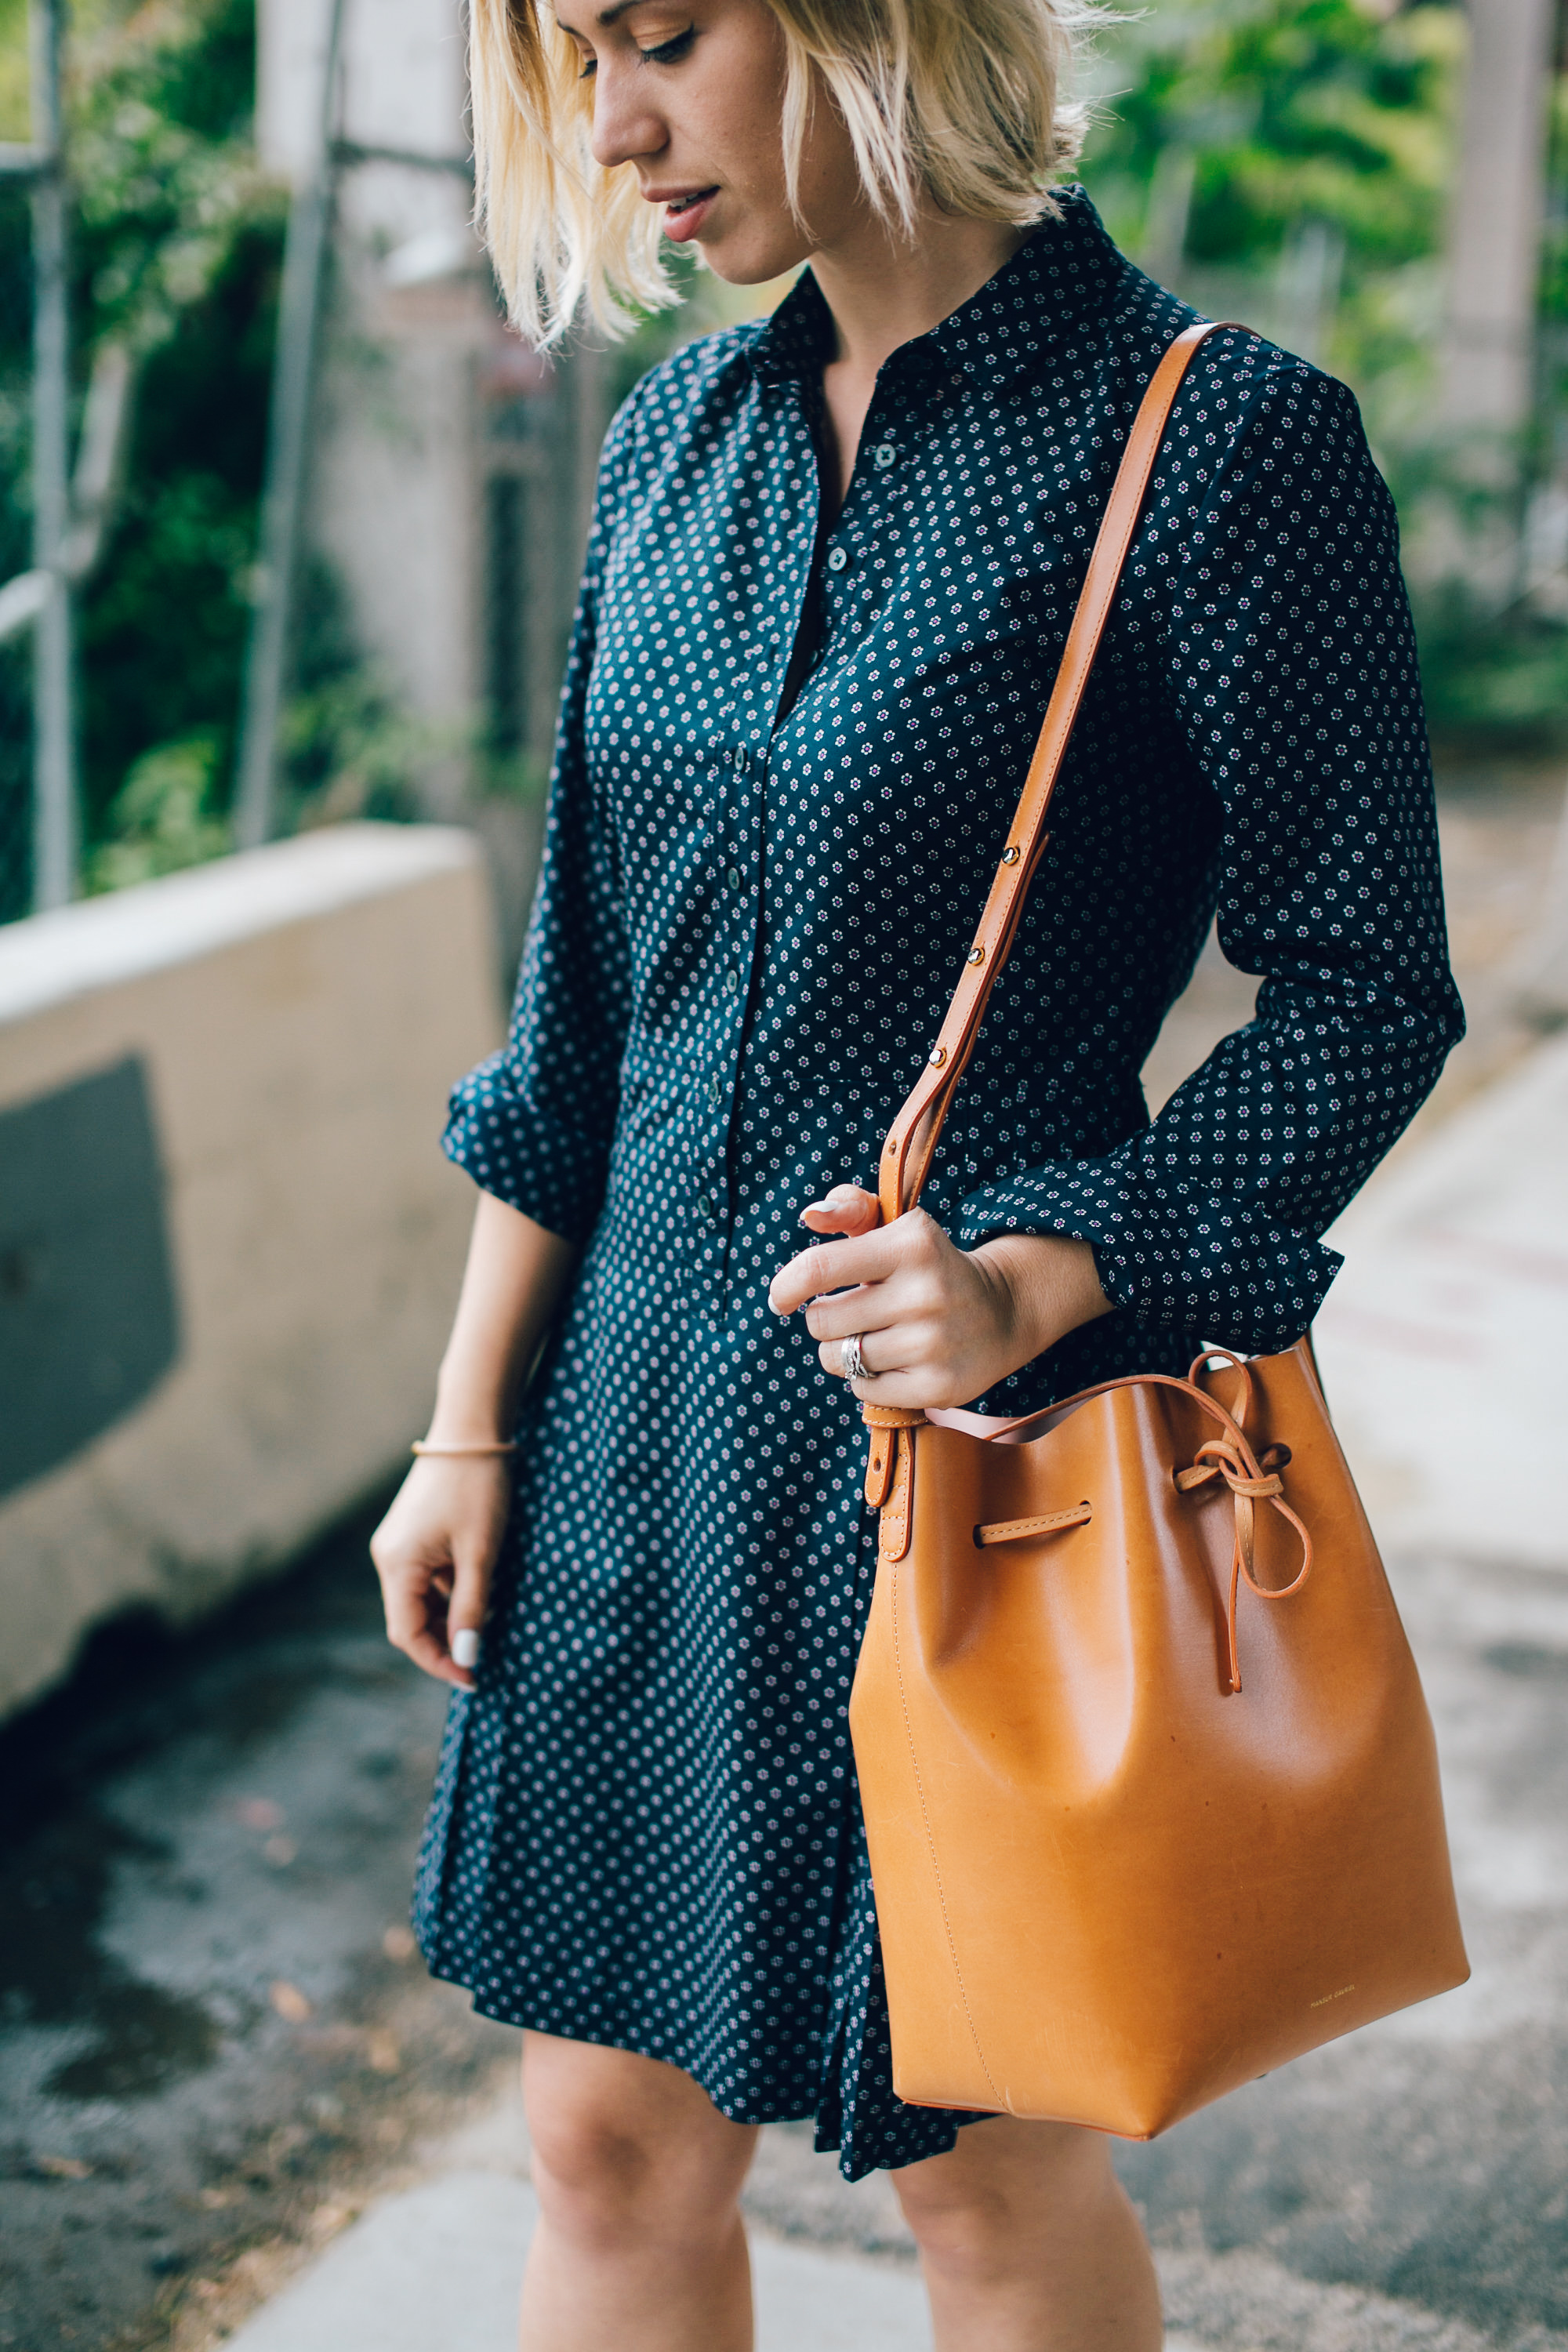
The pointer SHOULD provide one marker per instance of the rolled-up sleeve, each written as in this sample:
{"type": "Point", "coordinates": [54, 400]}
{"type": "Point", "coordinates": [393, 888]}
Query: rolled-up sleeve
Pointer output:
{"type": "Point", "coordinates": [1291, 666]}
{"type": "Point", "coordinates": [534, 1124]}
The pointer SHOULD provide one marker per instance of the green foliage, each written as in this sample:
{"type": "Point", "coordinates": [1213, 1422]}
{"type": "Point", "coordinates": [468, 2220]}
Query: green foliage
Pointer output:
{"type": "Point", "coordinates": [1239, 139]}
{"type": "Point", "coordinates": [1494, 681]}
{"type": "Point", "coordinates": [177, 246]}
{"type": "Point", "coordinates": [345, 751]}
{"type": "Point", "coordinates": [162, 157]}
{"type": "Point", "coordinates": [1252, 119]}
{"type": "Point", "coordinates": [162, 817]}
{"type": "Point", "coordinates": [163, 619]}
{"type": "Point", "coordinates": [15, 387]}
{"type": "Point", "coordinates": [1293, 108]}
{"type": "Point", "coordinates": [13, 123]}
{"type": "Point", "coordinates": [175, 250]}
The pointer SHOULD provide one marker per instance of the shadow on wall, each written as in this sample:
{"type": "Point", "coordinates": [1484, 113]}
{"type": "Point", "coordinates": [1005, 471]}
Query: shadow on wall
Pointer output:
{"type": "Point", "coordinates": [89, 1321]}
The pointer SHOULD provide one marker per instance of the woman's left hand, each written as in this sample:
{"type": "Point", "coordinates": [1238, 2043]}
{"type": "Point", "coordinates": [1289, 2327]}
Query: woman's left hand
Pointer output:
{"type": "Point", "coordinates": [937, 1325]}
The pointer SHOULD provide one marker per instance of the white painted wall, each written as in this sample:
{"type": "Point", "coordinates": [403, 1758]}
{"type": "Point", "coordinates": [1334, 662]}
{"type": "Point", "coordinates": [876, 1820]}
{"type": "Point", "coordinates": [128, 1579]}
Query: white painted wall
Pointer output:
{"type": "Point", "coordinates": [301, 1011]}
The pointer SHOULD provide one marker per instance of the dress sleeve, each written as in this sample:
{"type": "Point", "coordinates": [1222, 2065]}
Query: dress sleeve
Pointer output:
{"type": "Point", "coordinates": [534, 1123]}
{"type": "Point", "coordinates": [1291, 664]}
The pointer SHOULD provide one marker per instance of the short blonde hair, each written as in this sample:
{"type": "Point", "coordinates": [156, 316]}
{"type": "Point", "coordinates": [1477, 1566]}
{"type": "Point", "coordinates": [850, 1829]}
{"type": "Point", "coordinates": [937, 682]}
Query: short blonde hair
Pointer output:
{"type": "Point", "coordinates": [958, 99]}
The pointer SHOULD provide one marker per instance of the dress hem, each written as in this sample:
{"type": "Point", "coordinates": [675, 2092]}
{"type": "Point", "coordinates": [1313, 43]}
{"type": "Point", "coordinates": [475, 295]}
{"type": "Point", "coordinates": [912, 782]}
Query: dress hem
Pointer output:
{"type": "Point", "coordinates": [825, 2145]}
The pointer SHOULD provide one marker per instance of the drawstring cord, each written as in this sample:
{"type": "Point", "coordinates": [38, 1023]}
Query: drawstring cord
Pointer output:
{"type": "Point", "coordinates": [1251, 1480]}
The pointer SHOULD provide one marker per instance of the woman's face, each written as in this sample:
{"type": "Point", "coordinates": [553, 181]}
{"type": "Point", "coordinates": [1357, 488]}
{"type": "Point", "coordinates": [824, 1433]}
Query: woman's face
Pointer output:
{"type": "Point", "coordinates": [690, 94]}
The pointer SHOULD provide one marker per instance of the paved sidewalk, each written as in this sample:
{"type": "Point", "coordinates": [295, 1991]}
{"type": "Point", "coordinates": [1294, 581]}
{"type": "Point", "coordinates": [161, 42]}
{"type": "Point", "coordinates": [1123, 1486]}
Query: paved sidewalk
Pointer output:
{"type": "Point", "coordinates": [437, 2270]}
{"type": "Point", "coordinates": [1443, 1341]}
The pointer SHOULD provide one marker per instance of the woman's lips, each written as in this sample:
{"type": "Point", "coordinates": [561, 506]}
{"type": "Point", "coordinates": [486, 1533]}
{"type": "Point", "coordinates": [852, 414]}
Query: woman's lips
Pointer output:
{"type": "Point", "coordinates": [684, 216]}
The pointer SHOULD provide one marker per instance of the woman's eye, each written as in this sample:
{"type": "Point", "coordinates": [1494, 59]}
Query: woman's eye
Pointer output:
{"type": "Point", "coordinates": [670, 53]}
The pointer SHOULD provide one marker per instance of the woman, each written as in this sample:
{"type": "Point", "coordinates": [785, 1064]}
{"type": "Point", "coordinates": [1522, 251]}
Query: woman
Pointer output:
{"type": "Point", "coordinates": [831, 570]}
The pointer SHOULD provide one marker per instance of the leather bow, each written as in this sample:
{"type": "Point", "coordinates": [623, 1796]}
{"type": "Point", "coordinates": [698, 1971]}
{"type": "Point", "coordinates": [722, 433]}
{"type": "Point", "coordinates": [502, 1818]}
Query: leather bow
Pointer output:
{"type": "Point", "coordinates": [1252, 1480]}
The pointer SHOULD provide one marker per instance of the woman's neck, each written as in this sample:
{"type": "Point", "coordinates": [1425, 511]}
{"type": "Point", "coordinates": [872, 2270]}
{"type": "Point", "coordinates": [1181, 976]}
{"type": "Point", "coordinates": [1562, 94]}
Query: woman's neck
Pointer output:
{"type": "Point", "coordinates": [884, 290]}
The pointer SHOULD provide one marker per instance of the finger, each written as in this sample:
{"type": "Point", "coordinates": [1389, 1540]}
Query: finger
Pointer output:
{"type": "Point", "coordinates": [466, 1613]}
{"type": "Point", "coordinates": [833, 1267]}
{"type": "Point", "coordinates": [404, 1601]}
{"type": "Point", "coordinates": [847, 1209]}
{"type": "Point", "coordinates": [416, 1624]}
{"type": "Point", "coordinates": [870, 1306]}
{"type": "Point", "coordinates": [879, 1353]}
{"type": "Point", "coordinates": [429, 1651]}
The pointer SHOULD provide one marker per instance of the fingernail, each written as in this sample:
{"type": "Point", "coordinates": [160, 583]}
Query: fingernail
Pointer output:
{"type": "Point", "coordinates": [466, 1647]}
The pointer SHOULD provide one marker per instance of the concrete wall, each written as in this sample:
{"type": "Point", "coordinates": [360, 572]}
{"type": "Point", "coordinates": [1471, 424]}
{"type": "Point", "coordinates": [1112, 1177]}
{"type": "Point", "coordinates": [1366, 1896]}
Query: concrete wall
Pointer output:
{"type": "Point", "coordinates": [229, 1244]}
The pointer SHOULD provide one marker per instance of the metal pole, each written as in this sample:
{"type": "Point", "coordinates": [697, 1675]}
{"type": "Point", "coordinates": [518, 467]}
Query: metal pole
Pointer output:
{"type": "Point", "coordinates": [294, 374]}
{"type": "Point", "coordinates": [54, 718]}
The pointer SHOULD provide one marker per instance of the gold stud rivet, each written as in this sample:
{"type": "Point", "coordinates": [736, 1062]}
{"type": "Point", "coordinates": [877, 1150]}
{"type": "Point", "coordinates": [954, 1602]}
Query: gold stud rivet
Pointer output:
{"type": "Point", "coordinates": [1011, 854]}
{"type": "Point", "coordinates": [939, 1055]}
{"type": "Point", "coordinates": [975, 955]}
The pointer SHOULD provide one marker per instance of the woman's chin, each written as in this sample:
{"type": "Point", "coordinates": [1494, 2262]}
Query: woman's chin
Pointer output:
{"type": "Point", "coordinates": [750, 260]}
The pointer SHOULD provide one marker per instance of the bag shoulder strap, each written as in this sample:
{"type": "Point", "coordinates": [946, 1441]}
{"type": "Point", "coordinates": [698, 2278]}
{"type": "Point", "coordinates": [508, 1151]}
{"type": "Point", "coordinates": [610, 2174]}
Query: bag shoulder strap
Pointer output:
{"type": "Point", "coordinates": [912, 1138]}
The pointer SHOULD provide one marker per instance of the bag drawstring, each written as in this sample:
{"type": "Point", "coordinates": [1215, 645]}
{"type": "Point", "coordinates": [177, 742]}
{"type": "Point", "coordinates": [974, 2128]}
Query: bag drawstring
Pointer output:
{"type": "Point", "coordinates": [1251, 1480]}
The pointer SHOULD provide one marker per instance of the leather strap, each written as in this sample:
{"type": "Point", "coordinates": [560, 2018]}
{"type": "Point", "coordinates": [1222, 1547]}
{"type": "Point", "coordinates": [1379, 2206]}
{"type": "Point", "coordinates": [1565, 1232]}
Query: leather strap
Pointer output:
{"type": "Point", "coordinates": [912, 1138]}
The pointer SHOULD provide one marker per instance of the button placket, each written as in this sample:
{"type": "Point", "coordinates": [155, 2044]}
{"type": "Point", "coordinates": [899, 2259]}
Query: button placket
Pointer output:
{"type": "Point", "coordinates": [742, 881]}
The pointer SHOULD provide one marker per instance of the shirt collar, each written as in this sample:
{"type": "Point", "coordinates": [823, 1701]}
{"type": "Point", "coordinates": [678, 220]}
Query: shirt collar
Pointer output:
{"type": "Point", "coordinates": [1068, 272]}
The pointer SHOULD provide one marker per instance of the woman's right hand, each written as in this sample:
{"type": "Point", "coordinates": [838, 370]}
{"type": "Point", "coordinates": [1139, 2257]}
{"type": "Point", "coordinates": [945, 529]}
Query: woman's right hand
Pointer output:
{"type": "Point", "coordinates": [435, 1553]}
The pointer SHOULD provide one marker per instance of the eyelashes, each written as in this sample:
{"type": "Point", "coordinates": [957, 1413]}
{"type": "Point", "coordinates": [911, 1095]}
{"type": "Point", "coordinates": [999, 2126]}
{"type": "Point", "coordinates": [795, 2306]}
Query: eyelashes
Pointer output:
{"type": "Point", "coordinates": [669, 53]}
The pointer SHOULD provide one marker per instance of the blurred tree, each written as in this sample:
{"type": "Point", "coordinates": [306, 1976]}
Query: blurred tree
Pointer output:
{"type": "Point", "coordinates": [1294, 158]}
{"type": "Point", "coordinates": [177, 253]}
{"type": "Point", "coordinates": [176, 241]}
{"type": "Point", "coordinates": [1293, 162]}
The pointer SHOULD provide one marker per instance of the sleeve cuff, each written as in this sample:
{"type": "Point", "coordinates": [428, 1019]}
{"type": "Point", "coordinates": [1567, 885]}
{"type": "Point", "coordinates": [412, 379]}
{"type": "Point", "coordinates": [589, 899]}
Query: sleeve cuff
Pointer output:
{"type": "Point", "coordinates": [1206, 1265]}
{"type": "Point", "coordinates": [509, 1151]}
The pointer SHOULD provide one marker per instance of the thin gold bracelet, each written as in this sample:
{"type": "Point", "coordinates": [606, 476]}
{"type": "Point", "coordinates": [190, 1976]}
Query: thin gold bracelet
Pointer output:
{"type": "Point", "coordinates": [501, 1445]}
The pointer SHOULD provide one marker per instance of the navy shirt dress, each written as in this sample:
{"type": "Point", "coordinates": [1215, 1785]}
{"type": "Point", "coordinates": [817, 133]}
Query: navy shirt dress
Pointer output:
{"type": "Point", "coordinates": [645, 1830]}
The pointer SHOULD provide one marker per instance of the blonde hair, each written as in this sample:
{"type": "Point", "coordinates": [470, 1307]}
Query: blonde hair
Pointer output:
{"type": "Point", "coordinates": [960, 100]}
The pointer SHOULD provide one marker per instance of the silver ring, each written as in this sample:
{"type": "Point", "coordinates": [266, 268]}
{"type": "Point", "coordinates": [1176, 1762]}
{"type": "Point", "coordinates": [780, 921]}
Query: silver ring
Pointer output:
{"type": "Point", "coordinates": [855, 1366]}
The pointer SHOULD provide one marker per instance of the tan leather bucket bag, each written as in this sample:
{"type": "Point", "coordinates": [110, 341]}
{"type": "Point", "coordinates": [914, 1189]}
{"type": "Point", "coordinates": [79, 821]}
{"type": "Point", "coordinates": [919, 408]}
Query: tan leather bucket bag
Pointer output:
{"type": "Point", "coordinates": [1149, 1782]}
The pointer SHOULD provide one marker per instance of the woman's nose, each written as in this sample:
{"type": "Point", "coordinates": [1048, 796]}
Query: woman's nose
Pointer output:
{"type": "Point", "coordinates": [625, 127]}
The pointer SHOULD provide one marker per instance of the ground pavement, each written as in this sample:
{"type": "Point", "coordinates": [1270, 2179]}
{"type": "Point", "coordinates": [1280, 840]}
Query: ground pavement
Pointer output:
{"type": "Point", "coordinates": [235, 2107]}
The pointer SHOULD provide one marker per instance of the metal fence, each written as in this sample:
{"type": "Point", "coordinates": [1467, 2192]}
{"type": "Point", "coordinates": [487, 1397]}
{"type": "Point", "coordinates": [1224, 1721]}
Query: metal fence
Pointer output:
{"type": "Point", "coordinates": [36, 603]}
{"type": "Point", "coordinates": [16, 654]}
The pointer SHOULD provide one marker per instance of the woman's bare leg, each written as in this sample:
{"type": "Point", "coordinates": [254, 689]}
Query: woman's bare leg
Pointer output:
{"type": "Point", "coordinates": [639, 2246]}
{"type": "Point", "coordinates": [1029, 2243]}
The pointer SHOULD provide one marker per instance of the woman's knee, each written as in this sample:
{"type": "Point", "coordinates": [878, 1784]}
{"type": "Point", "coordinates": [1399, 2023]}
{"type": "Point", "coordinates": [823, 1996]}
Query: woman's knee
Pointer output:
{"type": "Point", "coordinates": [625, 2148]}
{"type": "Point", "coordinates": [1005, 2185]}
